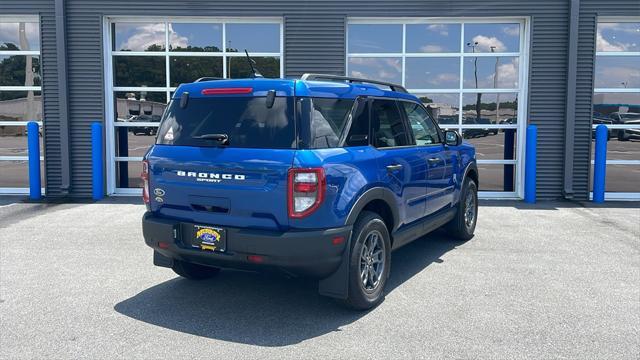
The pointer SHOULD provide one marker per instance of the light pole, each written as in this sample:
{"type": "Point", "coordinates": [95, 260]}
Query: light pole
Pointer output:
{"type": "Point", "coordinates": [495, 85]}
{"type": "Point", "coordinates": [473, 45]}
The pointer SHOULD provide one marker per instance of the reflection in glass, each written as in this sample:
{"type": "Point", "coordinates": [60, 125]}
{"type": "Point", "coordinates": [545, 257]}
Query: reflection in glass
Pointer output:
{"type": "Point", "coordinates": [497, 38]}
{"type": "Point", "coordinates": [385, 69]}
{"type": "Point", "coordinates": [195, 37]}
{"type": "Point", "coordinates": [432, 38]}
{"type": "Point", "coordinates": [140, 106]}
{"type": "Point", "coordinates": [138, 36]}
{"type": "Point", "coordinates": [615, 108]}
{"type": "Point", "coordinates": [491, 72]}
{"type": "Point", "coordinates": [15, 174]}
{"type": "Point", "coordinates": [186, 69]}
{"type": "Point", "coordinates": [19, 36]}
{"type": "Point", "coordinates": [13, 140]}
{"type": "Point", "coordinates": [139, 70]}
{"type": "Point", "coordinates": [620, 178]}
{"type": "Point", "coordinates": [432, 73]}
{"type": "Point", "coordinates": [128, 174]}
{"type": "Point", "coordinates": [375, 38]}
{"type": "Point", "coordinates": [501, 109]}
{"type": "Point", "coordinates": [492, 144]}
{"type": "Point", "coordinates": [20, 106]}
{"type": "Point", "coordinates": [238, 67]}
{"type": "Point", "coordinates": [253, 37]}
{"type": "Point", "coordinates": [496, 177]}
{"type": "Point", "coordinates": [622, 145]}
{"type": "Point", "coordinates": [20, 70]}
{"type": "Point", "coordinates": [134, 141]}
{"type": "Point", "coordinates": [622, 36]}
{"type": "Point", "coordinates": [443, 107]}
{"type": "Point", "coordinates": [617, 72]}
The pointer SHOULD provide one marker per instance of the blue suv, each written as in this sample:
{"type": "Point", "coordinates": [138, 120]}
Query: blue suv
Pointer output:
{"type": "Point", "coordinates": [321, 176]}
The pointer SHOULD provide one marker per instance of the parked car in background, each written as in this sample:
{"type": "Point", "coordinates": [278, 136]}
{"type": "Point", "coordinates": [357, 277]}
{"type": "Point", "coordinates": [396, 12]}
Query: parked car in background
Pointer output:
{"type": "Point", "coordinates": [144, 130]}
{"type": "Point", "coordinates": [621, 118]}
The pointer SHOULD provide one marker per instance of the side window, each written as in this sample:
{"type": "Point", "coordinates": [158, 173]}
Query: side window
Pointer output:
{"type": "Point", "coordinates": [387, 124]}
{"type": "Point", "coordinates": [424, 130]}
{"type": "Point", "coordinates": [359, 130]}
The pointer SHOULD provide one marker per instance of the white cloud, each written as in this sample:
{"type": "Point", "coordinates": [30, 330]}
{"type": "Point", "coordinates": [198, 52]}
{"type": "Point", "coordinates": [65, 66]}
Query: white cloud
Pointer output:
{"type": "Point", "coordinates": [511, 30]}
{"type": "Point", "coordinates": [603, 45]}
{"type": "Point", "coordinates": [152, 34]}
{"type": "Point", "coordinates": [432, 48]}
{"type": "Point", "coordinates": [614, 76]}
{"type": "Point", "coordinates": [486, 43]}
{"type": "Point", "coordinates": [443, 79]}
{"type": "Point", "coordinates": [439, 28]}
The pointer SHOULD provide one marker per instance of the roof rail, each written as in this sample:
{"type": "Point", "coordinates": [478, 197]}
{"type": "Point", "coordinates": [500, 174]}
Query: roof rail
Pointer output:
{"type": "Point", "coordinates": [207, 78]}
{"type": "Point", "coordinates": [393, 87]}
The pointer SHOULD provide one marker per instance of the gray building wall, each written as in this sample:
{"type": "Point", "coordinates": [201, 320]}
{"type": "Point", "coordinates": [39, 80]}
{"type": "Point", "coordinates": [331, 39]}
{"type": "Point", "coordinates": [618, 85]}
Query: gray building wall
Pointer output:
{"type": "Point", "coordinates": [314, 41]}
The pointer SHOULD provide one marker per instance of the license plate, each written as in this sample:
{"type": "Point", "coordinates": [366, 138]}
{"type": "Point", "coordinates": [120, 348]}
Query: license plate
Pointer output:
{"type": "Point", "coordinates": [209, 238]}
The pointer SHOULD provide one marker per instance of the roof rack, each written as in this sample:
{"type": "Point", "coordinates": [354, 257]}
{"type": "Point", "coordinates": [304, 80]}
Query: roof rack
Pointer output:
{"type": "Point", "coordinates": [207, 78]}
{"type": "Point", "coordinates": [393, 87]}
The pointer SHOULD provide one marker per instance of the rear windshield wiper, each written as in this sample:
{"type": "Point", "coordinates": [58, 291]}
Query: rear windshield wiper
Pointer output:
{"type": "Point", "coordinates": [221, 138]}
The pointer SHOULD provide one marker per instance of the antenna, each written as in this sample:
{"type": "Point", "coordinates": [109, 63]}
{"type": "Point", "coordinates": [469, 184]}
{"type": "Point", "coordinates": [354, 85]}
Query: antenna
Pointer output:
{"type": "Point", "coordinates": [254, 72]}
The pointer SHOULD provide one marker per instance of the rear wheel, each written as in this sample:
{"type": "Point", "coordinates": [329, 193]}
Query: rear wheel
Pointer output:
{"type": "Point", "coordinates": [194, 271]}
{"type": "Point", "coordinates": [370, 261]}
{"type": "Point", "coordinates": [463, 225]}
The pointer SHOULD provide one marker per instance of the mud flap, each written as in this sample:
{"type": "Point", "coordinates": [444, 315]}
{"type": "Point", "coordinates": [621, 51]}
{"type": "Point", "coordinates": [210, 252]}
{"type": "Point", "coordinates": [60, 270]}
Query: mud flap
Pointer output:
{"type": "Point", "coordinates": [161, 260]}
{"type": "Point", "coordinates": [337, 284]}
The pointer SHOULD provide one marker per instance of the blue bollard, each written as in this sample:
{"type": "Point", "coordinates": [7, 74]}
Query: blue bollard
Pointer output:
{"type": "Point", "coordinates": [600, 163]}
{"type": "Point", "coordinates": [530, 165]}
{"type": "Point", "coordinates": [33, 149]}
{"type": "Point", "coordinates": [97, 157]}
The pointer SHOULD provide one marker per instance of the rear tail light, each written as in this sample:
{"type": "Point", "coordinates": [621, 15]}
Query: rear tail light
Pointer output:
{"type": "Point", "coordinates": [145, 180]}
{"type": "Point", "coordinates": [305, 191]}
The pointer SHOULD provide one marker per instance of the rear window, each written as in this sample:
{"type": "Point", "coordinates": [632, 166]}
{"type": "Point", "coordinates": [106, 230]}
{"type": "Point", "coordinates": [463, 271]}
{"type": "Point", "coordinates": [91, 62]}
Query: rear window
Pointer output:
{"type": "Point", "coordinates": [246, 121]}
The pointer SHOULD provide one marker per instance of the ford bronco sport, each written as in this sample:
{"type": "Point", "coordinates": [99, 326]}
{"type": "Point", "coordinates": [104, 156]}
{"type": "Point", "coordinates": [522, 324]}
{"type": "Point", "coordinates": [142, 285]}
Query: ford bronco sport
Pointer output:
{"type": "Point", "coordinates": [321, 176]}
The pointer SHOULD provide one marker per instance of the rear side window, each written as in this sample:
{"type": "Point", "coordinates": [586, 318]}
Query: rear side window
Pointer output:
{"type": "Point", "coordinates": [328, 120]}
{"type": "Point", "coordinates": [387, 123]}
{"type": "Point", "coordinates": [246, 121]}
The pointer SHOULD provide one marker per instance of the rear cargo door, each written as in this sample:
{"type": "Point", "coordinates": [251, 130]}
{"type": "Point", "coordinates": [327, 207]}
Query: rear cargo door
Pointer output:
{"type": "Point", "coordinates": [224, 159]}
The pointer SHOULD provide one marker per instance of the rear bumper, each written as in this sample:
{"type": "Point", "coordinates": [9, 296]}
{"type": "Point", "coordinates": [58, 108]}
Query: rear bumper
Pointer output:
{"type": "Point", "coordinates": [303, 253]}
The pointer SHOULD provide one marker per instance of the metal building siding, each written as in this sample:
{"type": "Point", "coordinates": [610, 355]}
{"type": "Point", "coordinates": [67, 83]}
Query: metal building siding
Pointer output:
{"type": "Point", "coordinates": [589, 12]}
{"type": "Point", "coordinates": [321, 36]}
{"type": "Point", "coordinates": [48, 48]}
{"type": "Point", "coordinates": [308, 25]}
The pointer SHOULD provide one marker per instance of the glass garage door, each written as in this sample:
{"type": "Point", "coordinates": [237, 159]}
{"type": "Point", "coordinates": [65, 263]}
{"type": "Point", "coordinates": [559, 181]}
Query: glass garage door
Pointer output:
{"type": "Point", "coordinates": [147, 59]}
{"type": "Point", "coordinates": [20, 99]}
{"type": "Point", "coordinates": [616, 103]}
{"type": "Point", "coordinates": [470, 74]}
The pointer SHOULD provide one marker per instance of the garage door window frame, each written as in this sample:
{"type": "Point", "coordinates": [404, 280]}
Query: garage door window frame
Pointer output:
{"type": "Point", "coordinates": [521, 90]}
{"type": "Point", "coordinates": [110, 88]}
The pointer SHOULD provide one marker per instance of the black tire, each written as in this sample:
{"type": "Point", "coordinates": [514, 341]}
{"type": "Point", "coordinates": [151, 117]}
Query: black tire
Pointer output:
{"type": "Point", "coordinates": [194, 271]}
{"type": "Point", "coordinates": [377, 265]}
{"type": "Point", "coordinates": [622, 136]}
{"type": "Point", "coordinates": [459, 226]}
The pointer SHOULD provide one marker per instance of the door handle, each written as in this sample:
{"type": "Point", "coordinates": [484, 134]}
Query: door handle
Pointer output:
{"type": "Point", "coordinates": [434, 160]}
{"type": "Point", "coordinates": [394, 167]}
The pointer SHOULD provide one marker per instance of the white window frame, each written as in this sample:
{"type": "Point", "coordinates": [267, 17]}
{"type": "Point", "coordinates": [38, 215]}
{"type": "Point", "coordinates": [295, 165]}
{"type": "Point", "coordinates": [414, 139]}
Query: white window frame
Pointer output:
{"type": "Point", "coordinates": [19, 19]}
{"type": "Point", "coordinates": [522, 91]}
{"type": "Point", "coordinates": [623, 196]}
{"type": "Point", "coordinates": [110, 88]}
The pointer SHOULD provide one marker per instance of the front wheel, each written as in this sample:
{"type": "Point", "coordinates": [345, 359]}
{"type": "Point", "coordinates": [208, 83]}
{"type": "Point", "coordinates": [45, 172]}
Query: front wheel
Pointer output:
{"type": "Point", "coordinates": [370, 261]}
{"type": "Point", "coordinates": [194, 271]}
{"type": "Point", "coordinates": [463, 225]}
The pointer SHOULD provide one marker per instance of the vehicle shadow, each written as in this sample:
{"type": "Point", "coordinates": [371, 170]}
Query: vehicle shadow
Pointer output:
{"type": "Point", "coordinates": [265, 309]}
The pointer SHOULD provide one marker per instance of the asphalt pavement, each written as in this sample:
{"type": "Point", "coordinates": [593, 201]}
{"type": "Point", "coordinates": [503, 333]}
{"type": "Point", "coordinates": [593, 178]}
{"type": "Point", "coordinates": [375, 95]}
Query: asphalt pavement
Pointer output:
{"type": "Point", "coordinates": [554, 280]}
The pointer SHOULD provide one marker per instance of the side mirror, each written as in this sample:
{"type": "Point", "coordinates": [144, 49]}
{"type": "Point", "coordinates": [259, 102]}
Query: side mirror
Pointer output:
{"type": "Point", "coordinates": [452, 138]}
